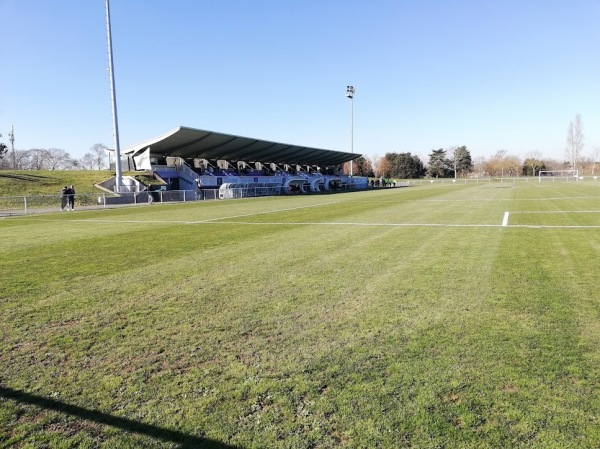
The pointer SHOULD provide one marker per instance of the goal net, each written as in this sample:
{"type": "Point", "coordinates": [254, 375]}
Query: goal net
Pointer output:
{"type": "Point", "coordinates": [558, 175]}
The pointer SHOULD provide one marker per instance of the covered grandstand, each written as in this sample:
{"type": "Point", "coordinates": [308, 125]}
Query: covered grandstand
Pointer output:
{"type": "Point", "coordinates": [186, 158]}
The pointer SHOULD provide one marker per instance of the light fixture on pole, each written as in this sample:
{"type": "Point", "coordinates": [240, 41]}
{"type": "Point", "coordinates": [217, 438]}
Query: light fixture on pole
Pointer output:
{"type": "Point", "coordinates": [350, 95]}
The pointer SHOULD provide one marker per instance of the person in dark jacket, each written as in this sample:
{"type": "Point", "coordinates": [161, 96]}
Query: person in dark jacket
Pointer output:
{"type": "Point", "coordinates": [64, 197]}
{"type": "Point", "coordinates": [199, 191]}
{"type": "Point", "coordinates": [72, 197]}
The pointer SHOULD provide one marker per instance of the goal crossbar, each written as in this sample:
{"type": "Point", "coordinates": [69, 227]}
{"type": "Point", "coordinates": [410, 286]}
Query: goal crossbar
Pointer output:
{"type": "Point", "coordinates": [558, 174]}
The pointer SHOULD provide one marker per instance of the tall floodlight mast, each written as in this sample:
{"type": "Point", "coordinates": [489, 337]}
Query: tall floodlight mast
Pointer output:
{"type": "Point", "coordinates": [455, 172]}
{"type": "Point", "coordinates": [11, 138]}
{"type": "Point", "coordinates": [350, 95]}
{"type": "Point", "coordinates": [113, 96]}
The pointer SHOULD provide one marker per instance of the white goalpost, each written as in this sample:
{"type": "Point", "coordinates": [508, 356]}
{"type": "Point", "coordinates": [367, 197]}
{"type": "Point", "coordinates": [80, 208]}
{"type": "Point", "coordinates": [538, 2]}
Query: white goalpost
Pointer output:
{"type": "Point", "coordinates": [558, 175]}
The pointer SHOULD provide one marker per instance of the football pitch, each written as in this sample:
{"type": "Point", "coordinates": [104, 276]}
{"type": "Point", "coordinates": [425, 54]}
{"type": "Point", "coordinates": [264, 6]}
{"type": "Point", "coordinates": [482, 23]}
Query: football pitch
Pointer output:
{"type": "Point", "coordinates": [430, 316]}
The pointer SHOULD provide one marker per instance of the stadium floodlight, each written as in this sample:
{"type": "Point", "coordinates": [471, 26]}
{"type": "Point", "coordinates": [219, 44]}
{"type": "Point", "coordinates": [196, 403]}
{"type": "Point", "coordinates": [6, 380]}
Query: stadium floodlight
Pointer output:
{"type": "Point", "coordinates": [455, 171]}
{"type": "Point", "coordinates": [11, 138]}
{"type": "Point", "coordinates": [558, 175]}
{"type": "Point", "coordinates": [113, 95]}
{"type": "Point", "coordinates": [350, 95]}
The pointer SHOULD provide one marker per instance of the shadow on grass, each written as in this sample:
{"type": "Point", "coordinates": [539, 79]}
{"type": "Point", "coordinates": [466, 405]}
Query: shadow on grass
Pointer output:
{"type": "Point", "coordinates": [184, 440]}
{"type": "Point", "coordinates": [23, 177]}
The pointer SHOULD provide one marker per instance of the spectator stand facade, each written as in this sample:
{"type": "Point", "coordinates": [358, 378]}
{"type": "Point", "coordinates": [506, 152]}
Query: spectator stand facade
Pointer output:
{"type": "Point", "coordinates": [234, 165]}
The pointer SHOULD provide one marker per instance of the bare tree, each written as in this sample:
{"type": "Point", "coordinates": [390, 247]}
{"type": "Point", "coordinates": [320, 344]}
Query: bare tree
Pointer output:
{"type": "Point", "coordinates": [479, 166]}
{"type": "Point", "coordinates": [595, 158]}
{"type": "Point", "coordinates": [494, 166]}
{"type": "Point", "coordinates": [87, 162]}
{"type": "Point", "coordinates": [503, 164]}
{"type": "Point", "coordinates": [37, 158]}
{"type": "Point", "coordinates": [21, 160]}
{"type": "Point", "coordinates": [375, 160]}
{"type": "Point", "coordinates": [574, 141]}
{"type": "Point", "coordinates": [58, 159]}
{"type": "Point", "coordinates": [18, 161]}
{"type": "Point", "coordinates": [553, 164]}
{"type": "Point", "coordinates": [100, 155]}
{"type": "Point", "coordinates": [513, 165]}
{"type": "Point", "coordinates": [43, 159]}
{"type": "Point", "coordinates": [383, 167]}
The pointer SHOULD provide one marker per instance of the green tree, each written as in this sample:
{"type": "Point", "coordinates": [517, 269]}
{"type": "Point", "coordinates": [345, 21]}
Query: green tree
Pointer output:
{"type": "Point", "coordinates": [363, 167]}
{"type": "Point", "coordinates": [405, 165]}
{"type": "Point", "coordinates": [3, 150]}
{"type": "Point", "coordinates": [532, 166]}
{"type": "Point", "coordinates": [438, 166]}
{"type": "Point", "coordinates": [461, 161]}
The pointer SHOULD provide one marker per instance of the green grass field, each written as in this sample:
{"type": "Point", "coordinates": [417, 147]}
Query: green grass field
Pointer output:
{"type": "Point", "coordinates": [390, 318]}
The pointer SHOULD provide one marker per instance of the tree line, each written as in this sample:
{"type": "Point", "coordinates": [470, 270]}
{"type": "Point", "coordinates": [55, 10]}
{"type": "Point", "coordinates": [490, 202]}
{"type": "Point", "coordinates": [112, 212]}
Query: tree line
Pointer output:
{"type": "Point", "coordinates": [443, 163]}
{"type": "Point", "coordinates": [53, 159]}
{"type": "Point", "coordinates": [453, 162]}
{"type": "Point", "coordinates": [456, 162]}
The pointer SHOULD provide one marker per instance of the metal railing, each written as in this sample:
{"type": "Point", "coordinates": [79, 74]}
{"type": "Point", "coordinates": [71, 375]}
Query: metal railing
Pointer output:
{"type": "Point", "coordinates": [501, 180]}
{"type": "Point", "coordinates": [32, 204]}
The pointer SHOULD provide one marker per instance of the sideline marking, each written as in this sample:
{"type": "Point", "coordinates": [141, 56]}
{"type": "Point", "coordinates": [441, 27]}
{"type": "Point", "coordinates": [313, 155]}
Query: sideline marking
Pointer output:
{"type": "Point", "coordinates": [447, 200]}
{"type": "Point", "coordinates": [421, 225]}
{"type": "Point", "coordinates": [505, 219]}
{"type": "Point", "coordinates": [558, 212]}
{"type": "Point", "coordinates": [322, 223]}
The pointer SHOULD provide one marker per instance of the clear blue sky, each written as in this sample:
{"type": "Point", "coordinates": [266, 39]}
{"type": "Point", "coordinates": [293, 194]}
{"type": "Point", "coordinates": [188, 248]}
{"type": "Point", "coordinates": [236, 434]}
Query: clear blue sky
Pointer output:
{"type": "Point", "coordinates": [428, 74]}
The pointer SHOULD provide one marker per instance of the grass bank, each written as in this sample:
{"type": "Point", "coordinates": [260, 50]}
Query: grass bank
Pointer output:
{"type": "Point", "coordinates": [49, 182]}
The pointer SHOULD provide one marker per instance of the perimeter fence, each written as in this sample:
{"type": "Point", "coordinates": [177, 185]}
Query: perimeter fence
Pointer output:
{"type": "Point", "coordinates": [31, 204]}
{"type": "Point", "coordinates": [503, 180]}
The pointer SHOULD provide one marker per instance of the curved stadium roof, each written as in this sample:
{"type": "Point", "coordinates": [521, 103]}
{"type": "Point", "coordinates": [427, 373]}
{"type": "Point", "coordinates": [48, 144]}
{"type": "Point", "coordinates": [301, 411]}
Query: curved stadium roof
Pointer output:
{"type": "Point", "coordinates": [191, 143]}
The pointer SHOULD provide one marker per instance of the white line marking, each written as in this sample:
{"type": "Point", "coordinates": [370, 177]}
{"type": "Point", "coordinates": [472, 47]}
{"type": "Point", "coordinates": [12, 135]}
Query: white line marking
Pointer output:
{"type": "Point", "coordinates": [444, 200]}
{"type": "Point", "coordinates": [556, 226]}
{"type": "Point", "coordinates": [557, 212]}
{"type": "Point", "coordinates": [341, 223]}
{"type": "Point", "coordinates": [316, 223]}
{"type": "Point", "coordinates": [437, 225]}
{"type": "Point", "coordinates": [505, 219]}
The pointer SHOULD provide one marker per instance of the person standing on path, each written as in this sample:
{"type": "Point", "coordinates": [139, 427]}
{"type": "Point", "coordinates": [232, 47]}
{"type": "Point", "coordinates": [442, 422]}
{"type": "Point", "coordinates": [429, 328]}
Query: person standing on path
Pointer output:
{"type": "Point", "coordinates": [199, 192]}
{"type": "Point", "coordinates": [72, 197]}
{"type": "Point", "coordinates": [64, 197]}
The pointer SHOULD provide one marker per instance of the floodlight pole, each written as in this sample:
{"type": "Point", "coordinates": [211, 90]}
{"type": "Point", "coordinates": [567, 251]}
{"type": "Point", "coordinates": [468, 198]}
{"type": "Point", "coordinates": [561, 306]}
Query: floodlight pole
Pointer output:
{"type": "Point", "coordinates": [455, 174]}
{"type": "Point", "coordinates": [350, 95]}
{"type": "Point", "coordinates": [113, 95]}
{"type": "Point", "coordinates": [11, 138]}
